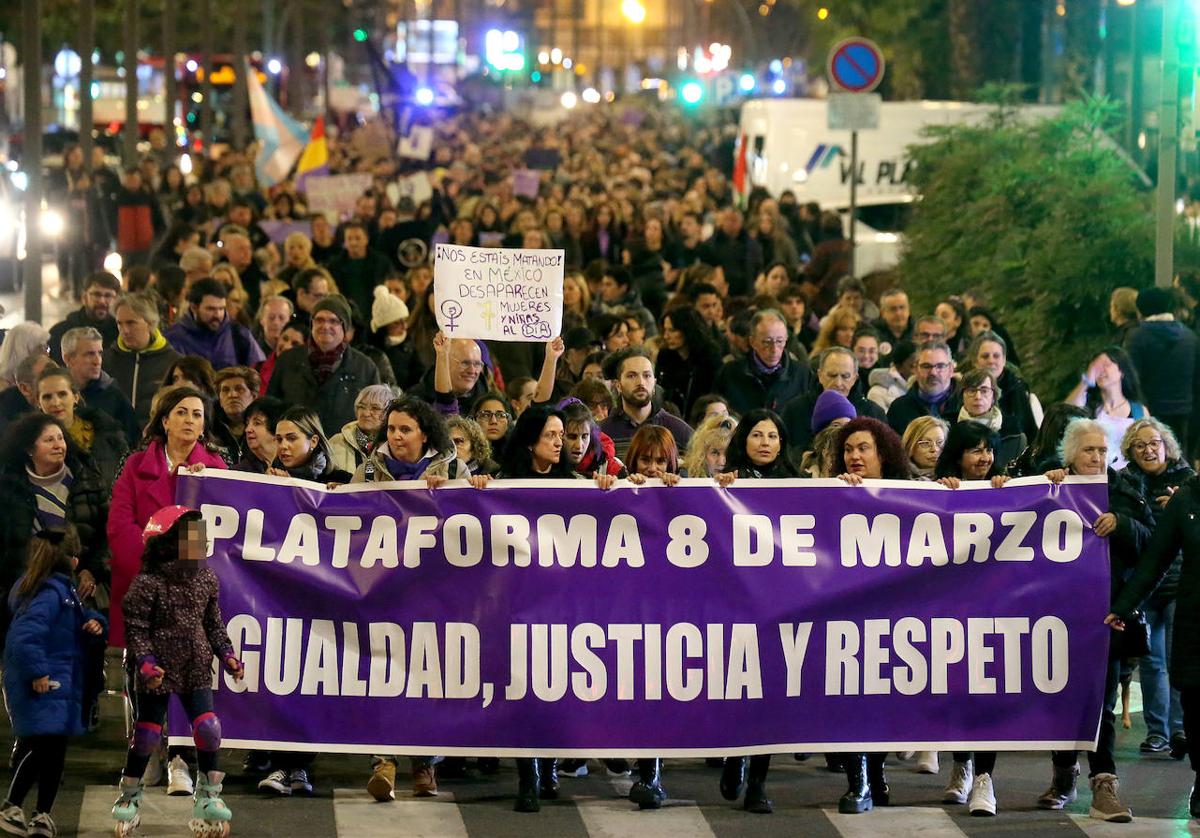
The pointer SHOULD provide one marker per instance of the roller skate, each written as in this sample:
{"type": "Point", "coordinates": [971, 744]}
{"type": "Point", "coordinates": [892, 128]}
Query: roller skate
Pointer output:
{"type": "Point", "coordinates": [210, 815]}
{"type": "Point", "coordinates": [125, 810]}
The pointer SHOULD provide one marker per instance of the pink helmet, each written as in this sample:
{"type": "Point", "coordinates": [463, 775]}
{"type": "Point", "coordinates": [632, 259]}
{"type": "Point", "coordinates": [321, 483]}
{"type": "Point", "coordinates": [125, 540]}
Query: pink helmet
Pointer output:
{"type": "Point", "coordinates": [163, 520]}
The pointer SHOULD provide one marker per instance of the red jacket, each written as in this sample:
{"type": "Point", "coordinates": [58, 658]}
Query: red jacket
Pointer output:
{"type": "Point", "coordinates": [612, 465]}
{"type": "Point", "coordinates": [143, 487]}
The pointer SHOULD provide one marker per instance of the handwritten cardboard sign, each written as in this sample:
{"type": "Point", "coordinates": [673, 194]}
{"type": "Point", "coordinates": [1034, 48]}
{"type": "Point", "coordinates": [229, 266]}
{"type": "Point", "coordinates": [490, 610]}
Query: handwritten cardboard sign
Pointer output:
{"type": "Point", "coordinates": [498, 293]}
{"type": "Point", "coordinates": [336, 193]}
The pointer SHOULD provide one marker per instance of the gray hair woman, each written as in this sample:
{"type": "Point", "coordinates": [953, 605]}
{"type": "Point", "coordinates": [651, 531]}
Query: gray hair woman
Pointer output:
{"type": "Point", "coordinates": [351, 445]}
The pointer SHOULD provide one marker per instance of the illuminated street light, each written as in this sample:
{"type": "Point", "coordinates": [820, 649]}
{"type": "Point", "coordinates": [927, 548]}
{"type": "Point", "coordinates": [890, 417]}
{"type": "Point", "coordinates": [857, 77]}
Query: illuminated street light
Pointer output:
{"type": "Point", "coordinates": [691, 93]}
{"type": "Point", "coordinates": [424, 96]}
{"type": "Point", "coordinates": [568, 100]}
{"type": "Point", "coordinates": [633, 10]}
{"type": "Point", "coordinates": [591, 96]}
{"type": "Point", "coordinates": [556, 56]}
{"type": "Point", "coordinates": [313, 59]}
{"type": "Point", "coordinates": [747, 82]}
{"type": "Point", "coordinates": [543, 57]}
{"type": "Point", "coordinates": [274, 66]}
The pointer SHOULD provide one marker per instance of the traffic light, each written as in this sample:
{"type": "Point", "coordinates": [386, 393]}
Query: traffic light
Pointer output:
{"type": "Point", "coordinates": [360, 35]}
{"type": "Point", "coordinates": [691, 92]}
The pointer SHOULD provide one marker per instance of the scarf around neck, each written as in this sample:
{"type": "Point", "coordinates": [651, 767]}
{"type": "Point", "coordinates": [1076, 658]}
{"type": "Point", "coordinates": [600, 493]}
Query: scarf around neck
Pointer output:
{"type": "Point", "coordinates": [993, 418]}
{"type": "Point", "coordinates": [324, 363]}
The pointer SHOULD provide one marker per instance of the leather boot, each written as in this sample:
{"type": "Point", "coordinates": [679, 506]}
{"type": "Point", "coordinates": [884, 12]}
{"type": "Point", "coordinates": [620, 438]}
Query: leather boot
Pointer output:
{"type": "Point", "coordinates": [648, 792]}
{"type": "Point", "coordinates": [733, 777]}
{"type": "Point", "coordinates": [857, 798]}
{"type": "Point", "coordinates": [756, 786]}
{"type": "Point", "coordinates": [529, 777]}
{"type": "Point", "coordinates": [834, 763]}
{"type": "Point", "coordinates": [880, 793]}
{"type": "Point", "coordinates": [549, 779]}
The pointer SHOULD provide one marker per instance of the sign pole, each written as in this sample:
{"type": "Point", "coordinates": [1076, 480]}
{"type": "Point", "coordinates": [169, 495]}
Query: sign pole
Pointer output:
{"type": "Point", "coordinates": [853, 194]}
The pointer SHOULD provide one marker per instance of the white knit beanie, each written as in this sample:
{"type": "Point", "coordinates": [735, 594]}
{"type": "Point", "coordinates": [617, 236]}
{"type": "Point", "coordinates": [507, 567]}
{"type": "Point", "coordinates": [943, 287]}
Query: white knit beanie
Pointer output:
{"type": "Point", "coordinates": [387, 308]}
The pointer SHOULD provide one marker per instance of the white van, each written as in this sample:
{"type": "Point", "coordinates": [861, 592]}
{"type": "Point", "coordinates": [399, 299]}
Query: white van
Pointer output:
{"type": "Point", "coordinates": [786, 145]}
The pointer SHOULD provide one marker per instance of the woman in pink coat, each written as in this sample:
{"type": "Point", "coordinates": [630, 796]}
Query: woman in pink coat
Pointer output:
{"type": "Point", "coordinates": [177, 436]}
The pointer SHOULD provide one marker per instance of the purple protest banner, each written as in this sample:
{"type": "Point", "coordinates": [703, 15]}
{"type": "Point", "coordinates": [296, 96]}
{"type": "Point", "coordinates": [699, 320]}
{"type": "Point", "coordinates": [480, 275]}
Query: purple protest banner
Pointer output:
{"type": "Point", "coordinates": [278, 231]}
{"type": "Point", "coordinates": [548, 617]}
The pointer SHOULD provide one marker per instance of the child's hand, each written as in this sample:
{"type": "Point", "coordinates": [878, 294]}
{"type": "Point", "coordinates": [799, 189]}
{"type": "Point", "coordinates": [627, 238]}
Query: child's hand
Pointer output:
{"type": "Point", "coordinates": [93, 627]}
{"type": "Point", "coordinates": [235, 668]}
{"type": "Point", "coordinates": [151, 674]}
{"type": "Point", "coordinates": [41, 685]}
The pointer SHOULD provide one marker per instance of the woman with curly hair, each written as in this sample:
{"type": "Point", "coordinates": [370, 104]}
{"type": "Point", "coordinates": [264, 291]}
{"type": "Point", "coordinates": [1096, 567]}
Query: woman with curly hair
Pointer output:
{"type": "Point", "coordinates": [472, 446]}
{"type": "Point", "coordinates": [705, 455]}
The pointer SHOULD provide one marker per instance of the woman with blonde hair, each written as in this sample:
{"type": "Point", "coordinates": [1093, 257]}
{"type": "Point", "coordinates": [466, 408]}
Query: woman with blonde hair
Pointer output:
{"type": "Point", "coordinates": [577, 301]}
{"type": "Point", "coordinates": [837, 329]}
{"type": "Point", "coordinates": [705, 456]}
{"type": "Point", "coordinates": [923, 441]}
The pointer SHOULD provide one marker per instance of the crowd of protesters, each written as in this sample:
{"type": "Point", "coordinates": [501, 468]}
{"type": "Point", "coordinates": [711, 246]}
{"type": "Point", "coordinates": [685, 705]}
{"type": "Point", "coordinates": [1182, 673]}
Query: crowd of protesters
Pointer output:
{"type": "Point", "coordinates": [703, 336]}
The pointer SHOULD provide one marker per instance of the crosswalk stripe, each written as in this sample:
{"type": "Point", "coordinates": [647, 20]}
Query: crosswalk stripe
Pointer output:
{"type": "Point", "coordinates": [161, 813]}
{"type": "Point", "coordinates": [620, 819]}
{"type": "Point", "coordinates": [1140, 828]}
{"type": "Point", "coordinates": [357, 814]}
{"type": "Point", "coordinates": [927, 822]}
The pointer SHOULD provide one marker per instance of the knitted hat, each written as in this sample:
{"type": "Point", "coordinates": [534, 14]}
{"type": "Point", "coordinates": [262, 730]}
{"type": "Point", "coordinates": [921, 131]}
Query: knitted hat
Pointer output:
{"type": "Point", "coordinates": [831, 405]}
{"type": "Point", "coordinates": [338, 306]}
{"type": "Point", "coordinates": [163, 520]}
{"type": "Point", "coordinates": [387, 308]}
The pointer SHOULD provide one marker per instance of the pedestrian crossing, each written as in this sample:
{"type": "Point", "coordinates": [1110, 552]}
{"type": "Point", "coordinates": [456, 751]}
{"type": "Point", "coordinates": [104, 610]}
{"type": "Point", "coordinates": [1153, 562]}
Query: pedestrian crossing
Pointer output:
{"type": "Point", "coordinates": [355, 815]}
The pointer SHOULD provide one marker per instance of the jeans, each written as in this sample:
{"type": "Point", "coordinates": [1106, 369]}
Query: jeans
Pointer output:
{"type": "Point", "coordinates": [1103, 759]}
{"type": "Point", "coordinates": [1160, 703]}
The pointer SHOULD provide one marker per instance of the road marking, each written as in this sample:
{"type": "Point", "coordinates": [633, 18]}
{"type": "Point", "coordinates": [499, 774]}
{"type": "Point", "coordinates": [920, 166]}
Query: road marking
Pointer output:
{"type": "Point", "coordinates": [927, 822]}
{"type": "Point", "coordinates": [1140, 828]}
{"type": "Point", "coordinates": [357, 814]}
{"type": "Point", "coordinates": [161, 813]}
{"type": "Point", "coordinates": [620, 819]}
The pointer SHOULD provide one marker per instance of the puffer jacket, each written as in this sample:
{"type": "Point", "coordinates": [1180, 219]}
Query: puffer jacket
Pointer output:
{"type": "Point", "coordinates": [348, 455]}
{"type": "Point", "coordinates": [444, 464]}
{"type": "Point", "coordinates": [46, 639]}
{"type": "Point", "coordinates": [139, 373]}
{"type": "Point", "coordinates": [1149, 488]}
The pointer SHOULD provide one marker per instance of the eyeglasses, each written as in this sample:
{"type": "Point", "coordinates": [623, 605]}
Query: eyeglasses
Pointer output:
{"type": "Point", "coordinates": [772, 341]}
{"type": "Point", "coordinates": [927, 336]}
{"type": "Point", "coordinates": [938, 367]}
{"type": "Point", "coordinates": [980, 391]}
{"type": "Point", "coordinates": [371, 408]}
{"type": "Point", "coordinates": [1149, 445]}
{"type": "Point", "coordinates": [930, 445]}
{"type": "Point", "coordinates": [470, 365]}
{"type": "Point", "coordinates": [327, 321]}
{"type": "Point", "coordinates": [491, 415]}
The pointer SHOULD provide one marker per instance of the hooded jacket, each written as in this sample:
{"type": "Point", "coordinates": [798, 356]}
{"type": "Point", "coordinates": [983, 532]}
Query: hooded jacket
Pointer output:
{"type": "Point", "coordinates": [230, 345]}
{"type": "Point", "coordinates": [139, 373]}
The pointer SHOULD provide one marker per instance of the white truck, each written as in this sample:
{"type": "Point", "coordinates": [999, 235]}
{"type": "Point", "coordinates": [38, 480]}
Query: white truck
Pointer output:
{"type": "Point", "coordinates": [786, 144]}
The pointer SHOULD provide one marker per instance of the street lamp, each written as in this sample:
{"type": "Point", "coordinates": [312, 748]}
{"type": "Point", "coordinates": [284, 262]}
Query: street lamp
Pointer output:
{"type": "Point", "coordinates": [633, 10]}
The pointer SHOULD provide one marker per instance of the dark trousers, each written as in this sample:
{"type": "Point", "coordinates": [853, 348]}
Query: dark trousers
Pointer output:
{"type": "Point", "coordinates": [1189, 697]}
{"type": "Point", "coordinates": [985, 761]}
{"type": "Point", "coordinates": [38, 759]}
{"type": "Point", "coordinates": [1103, 760]}
{"type": "Point", "coordinates": [152, 708]}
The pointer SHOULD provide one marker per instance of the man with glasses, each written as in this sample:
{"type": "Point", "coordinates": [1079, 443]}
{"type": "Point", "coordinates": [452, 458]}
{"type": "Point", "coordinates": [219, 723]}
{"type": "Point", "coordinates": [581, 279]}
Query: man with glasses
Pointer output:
{"type": "Point", "coordinates": [931, 394]}
{"type": "Point", "coordinates": [767, 376]}
{"type": "Point", "coordinates": [327, 373]}
{"type": "Point", "coordinates": [467, 379]}
{"type": "Point", "coordinates": [99, 298]}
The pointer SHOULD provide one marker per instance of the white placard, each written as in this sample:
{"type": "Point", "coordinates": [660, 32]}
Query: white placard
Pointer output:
{"type": "Point", "coordinates": [492, 293]}
{"type": "Point", "coordinates": [418, 144]}
{"type": "Point", "coordinates": [336, 193]}
{"type": "Point", "coordinates": [854, 111]}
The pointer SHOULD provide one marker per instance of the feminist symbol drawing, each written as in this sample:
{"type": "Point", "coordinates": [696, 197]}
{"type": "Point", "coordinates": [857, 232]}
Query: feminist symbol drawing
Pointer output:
{"type": "Point", "coordinates": [451, 310]}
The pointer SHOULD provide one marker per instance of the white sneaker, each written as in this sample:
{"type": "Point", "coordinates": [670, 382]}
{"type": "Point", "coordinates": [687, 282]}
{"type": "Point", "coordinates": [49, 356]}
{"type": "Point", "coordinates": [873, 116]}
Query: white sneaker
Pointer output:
{"type": "Point", "coordinates": [905, 756]}
{"type": "Point", "coordinates": [278, 782]}
{"type": "Point", "coordinates": [982, 802]}
{"type": "Point", "coordinates": [927, 762]}
{"type": "Point", "coordinates": [179, 778]}
{"type": "Point", "coordinates": [959, 787]}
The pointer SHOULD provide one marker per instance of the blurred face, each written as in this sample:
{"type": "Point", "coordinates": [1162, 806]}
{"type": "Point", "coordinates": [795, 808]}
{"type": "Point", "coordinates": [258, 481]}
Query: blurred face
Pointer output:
{"type": "Point", "coordinates": [98, 301]}
{"type": "Point", "coordinates": [618, 338]}
{"type": "Point", "coordinates": [947, 314]}
{"type": "Point", "coordinates": [57, 399]}
{"type": "Point", "coordinates": [794, 310]}
{"type": "Point", "coordinates": [979, 323]}
{"type": "Point", "coordinates": [237, 250]}
{"type": "Point", "coordinates": [420, 279]}
{"type": "Point", "coordinates": [769, 341]}
{"type": "Point", "coordinates": [318, 289]}
{"type": "Point", "coordinates": [273, 317]}
{"type": "Point", "coordinates": [466, 365]}
{"type": "Point", "coordinates": [610, 290]}
{"type": "Point", "coordinates": [1149, 451]}
{"type": "Point", "coordinates": [327, 330]}
{"type": "Point", "coordinates": [777, 280]}
{"type": "Point", "coordinates": [493, 418]}
{"type": "Point", "coordinates": [548, 448]}
{"type": "Point", "coordinates": [731, 222]}
{"type": "Point", "coordinates": [672, 338]}
{"type": "Point", "coordinates": [259, 438]}
{"type": "Point", "coordinates": [852, 300]}
{"type": "Point", "coordinates": [714, 460]}
{"type": "Point", "coordinates": [844, 334]}
{"type": "Point", "coordinates": [296, 252]}
{"type": "Point", "coordinates": [462, 444]}
{"type": "Point", "coordinates": [1106, 371]}
{"type": "Point", "coordinates": [572, 295]}
{"type": "Point", "coordinates": [184, 423]}
{"type": "Point", "coordinates": [289, 339]}
{"type": "Point", "coordinates": [1092, 456]}
{"type": "Point", "coordinates": [405, 438]}
{"type": "Point", "coordinates": [134, 330]}
{"type": "Point", "coordinates": [635, 332]}
{"type": "Point", "coordinates": [651, 463]}
{"type": "Point", "coordinates": [210, 313]}
{"type": "Point", "coordinates": [866, 350]}
{"type": "Point", "coordinates": [838, 374]}
{"type": "Point", "coordinates": [180, 376]}
{"type": "Point", "coordinates": [991, 358]}
{"type": "Point", "coordinates": [762, 445]}
{"type": "Point", "coordinates": [977, 462]}
{"type": "Point", "coordinates": [356, 243]}
{"type": "Point", "coordinates": [49, 451]}
{"type": "Point", "coordinates": [928, 330]}
{"type": "Point", "coordinates": [861, 455]}
{"type": "Point", "coordinates": [593, 371]}
{"type": "Point", "coordinates": [576, 441]}
{"type": "Point", "coordinates": [979, 399]}
{"type": "Point", "coordinates": [894, 311]}
{"type": "Point", "coordinates": [637, 382]}
{"type": "Point", "coordinates": [240, 216]}
{"type": "Point", "coordinates": [85, 362]}
{"type": "Point", "coordinates": [321, 230]}
{"type": "Point", "coordinates": [934, 369]}
{"type": "Point", "coordinates": [235, 396]}
{"type": "Point", "coordinates": [368, 414]}
{"type": "Point", "coordinates": [716, 409]}
{"type": "Point", "coordinates": [710, 308]}
{"type": "Point", "coordinates": [293, 447]}
{"type": "Point", "coordinates": [525, 397]}
{"type": "Point", "coordinates": [929, 447]}
{"type": "Point", "coordinates": [689, 228]}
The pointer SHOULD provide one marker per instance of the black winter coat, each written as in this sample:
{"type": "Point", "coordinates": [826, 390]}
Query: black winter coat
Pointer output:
{"type": "Point", "coordinates": [738, 382]}
{"type": "Point", "coordinates": [1150, 488]}
{"type": "Point", "coordinates": [79, 319]}
{"type": "Point", "coordinates": [1178, 529]}
{"type": "Point", "coordinates": [684, 381]}
{"type": "Point", "coordinates": [295, 382]}
{"type": "Point", "coordinates": [1164, 354]}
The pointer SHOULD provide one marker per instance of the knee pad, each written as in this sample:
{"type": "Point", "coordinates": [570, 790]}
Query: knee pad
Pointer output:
{"type": "Point", "coordinates": [146, 738]}
{"type": "Point", "coordinates": [206, 731]}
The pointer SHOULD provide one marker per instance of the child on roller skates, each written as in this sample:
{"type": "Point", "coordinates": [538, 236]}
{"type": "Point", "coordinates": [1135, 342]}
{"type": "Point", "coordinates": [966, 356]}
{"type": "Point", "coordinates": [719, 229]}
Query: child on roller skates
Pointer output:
{"type": "Point", "coordinates": [173, 628]}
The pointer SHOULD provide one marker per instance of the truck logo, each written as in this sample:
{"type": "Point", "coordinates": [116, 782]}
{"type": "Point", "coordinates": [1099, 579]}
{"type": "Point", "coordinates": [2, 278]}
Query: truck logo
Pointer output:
{"type": "Point", "coordinates": [822, 156]}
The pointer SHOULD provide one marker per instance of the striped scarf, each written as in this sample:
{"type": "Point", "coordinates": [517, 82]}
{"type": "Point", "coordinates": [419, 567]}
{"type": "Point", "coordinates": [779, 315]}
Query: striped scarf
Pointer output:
{"type": "Point", "coordinates": [50, 493]}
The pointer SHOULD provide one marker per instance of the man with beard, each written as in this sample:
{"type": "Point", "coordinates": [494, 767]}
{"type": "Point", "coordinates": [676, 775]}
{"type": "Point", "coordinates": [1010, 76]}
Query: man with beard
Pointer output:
{"type": "Point", "coordinates": [206, 330]}
{"type": "Point", "coordinates": [99, 296]}
{"type": "Point", "coordinates": [635, 384]}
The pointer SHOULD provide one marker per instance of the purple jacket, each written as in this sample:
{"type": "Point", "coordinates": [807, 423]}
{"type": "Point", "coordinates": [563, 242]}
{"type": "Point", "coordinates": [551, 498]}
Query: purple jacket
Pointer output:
{"type": "Point", "coordinates": [231, 345]}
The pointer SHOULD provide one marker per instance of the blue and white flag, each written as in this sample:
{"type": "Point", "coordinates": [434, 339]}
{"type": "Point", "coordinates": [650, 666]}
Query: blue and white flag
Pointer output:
{"type": "Point", "coordinates": [281, 139]}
